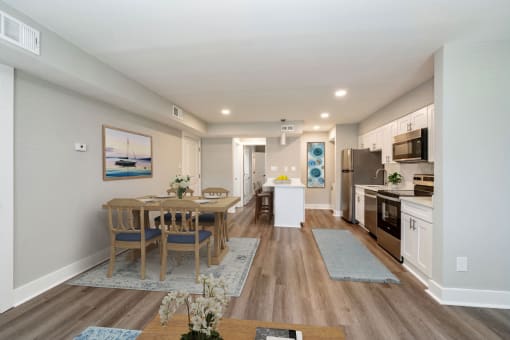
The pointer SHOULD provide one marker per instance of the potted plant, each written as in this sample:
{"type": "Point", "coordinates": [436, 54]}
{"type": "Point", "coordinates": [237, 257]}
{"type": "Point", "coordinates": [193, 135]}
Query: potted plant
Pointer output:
{"type": "Point", "coordinates": [180, 183]}
{"type": "Point", "coordinates": [204, 311]}
{"type": "Point", "coordinates": [395, 178]}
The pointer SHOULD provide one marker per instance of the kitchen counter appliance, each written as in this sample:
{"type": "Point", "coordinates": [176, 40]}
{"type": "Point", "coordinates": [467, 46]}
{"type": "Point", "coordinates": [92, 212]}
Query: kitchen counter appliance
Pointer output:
{"type": "Point", "coordinates": [411, 146]}
{"type": "Point", "coordinates": [388, 212]}
{"type": "Point", "coordinates": [358, 167]}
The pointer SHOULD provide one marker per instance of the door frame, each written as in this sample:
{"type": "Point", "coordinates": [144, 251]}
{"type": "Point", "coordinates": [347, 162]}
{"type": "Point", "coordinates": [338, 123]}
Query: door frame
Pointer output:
{"type": "Point", "coordinates": [7, 185]}
{"type": "Point", "coordinates": [237, 170]}
{"type": "Point", "coordinates": [185, 135]}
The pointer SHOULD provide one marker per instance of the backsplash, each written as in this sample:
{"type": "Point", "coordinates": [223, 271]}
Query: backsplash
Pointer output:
{"type": "Point", "coordinates": [408, 170]}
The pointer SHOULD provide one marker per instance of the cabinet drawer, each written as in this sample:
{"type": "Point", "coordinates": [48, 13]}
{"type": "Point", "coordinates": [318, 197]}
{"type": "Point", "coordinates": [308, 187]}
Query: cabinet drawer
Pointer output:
{"type": "Point", "coordinates": [417, 210]}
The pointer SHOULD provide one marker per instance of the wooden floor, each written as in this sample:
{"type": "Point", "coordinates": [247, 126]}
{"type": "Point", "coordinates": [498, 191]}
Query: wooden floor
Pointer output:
{"type": "Point", "coordinates": [288, 282]}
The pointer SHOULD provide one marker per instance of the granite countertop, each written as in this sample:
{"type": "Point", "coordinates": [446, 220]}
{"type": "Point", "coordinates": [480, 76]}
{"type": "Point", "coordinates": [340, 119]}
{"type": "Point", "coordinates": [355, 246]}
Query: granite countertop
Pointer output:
{"type": "Point", "coordinates": [383, 187]}
{"type": "Point", "coordinates": [421, 200]}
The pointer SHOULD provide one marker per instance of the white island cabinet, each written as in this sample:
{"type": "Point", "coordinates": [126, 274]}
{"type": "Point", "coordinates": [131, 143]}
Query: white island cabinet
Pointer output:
{"type": "Point", "coordinates": [288, 203]}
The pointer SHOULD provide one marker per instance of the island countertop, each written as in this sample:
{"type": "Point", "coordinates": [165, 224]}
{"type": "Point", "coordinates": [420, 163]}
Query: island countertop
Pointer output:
{"type": "Point", "coordinates": [294, 182]}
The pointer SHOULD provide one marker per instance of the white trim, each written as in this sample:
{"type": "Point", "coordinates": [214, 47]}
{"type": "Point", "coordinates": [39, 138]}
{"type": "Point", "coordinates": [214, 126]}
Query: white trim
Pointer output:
{"type": "Point", "coordinates": [48, 281]}
{"type": "Point", "coordinates": [321, 206]}
{"type": "Point", "coordinates": [7, 187]}
{"type": "Point", "coordinates": [469, 297]}
{"type": "Point", "coordinates": [416, 273]}
{"type": "Point", "coordinates": [197, 139]}
{"type": "Point", "coordinates": [337, 213]}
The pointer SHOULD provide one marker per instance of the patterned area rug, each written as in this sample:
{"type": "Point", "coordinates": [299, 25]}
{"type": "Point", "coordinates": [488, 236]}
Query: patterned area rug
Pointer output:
{"type": "Point", "coordinates": [347, 259]}
{"type": "Point", "coordinates": [180, 271]}
{"type": "Point", "coordinates": [102, 333]}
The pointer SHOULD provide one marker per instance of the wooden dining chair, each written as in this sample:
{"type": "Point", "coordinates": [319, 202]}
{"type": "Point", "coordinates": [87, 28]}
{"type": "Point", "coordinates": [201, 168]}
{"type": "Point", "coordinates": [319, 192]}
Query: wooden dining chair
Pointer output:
{"type": "Point", "coordinates": [184, 236]}
{"type": "Point", "coordinates": [128, 232]}
{"type": "Point", "coordinates": [209, 219]}
{"type": "Point", "coordinates": [188, 192]}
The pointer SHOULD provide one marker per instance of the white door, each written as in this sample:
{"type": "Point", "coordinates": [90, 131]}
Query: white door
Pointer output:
{"type": "Point", "coordinates": [191, 162]}
{"type": "Point", "coordinates": [247, 174]}
{"type": "Point", "coordinates": [237, 156]}
{"type": "Point", "coordinates": [260, 167]}
{"type": "Point", "coordinates": [7, 187]}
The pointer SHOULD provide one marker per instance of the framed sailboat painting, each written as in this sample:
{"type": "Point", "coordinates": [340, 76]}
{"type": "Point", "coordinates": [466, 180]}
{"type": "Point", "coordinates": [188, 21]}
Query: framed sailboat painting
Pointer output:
{"type": "Point", "coordinates": [126, 154]}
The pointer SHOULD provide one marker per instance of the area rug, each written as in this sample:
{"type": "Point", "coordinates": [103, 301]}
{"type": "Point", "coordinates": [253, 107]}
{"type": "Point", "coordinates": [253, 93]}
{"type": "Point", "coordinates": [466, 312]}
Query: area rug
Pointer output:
{"type": "Point", "coordinates": [234, 268]}
{"type": "Point", "coordinates": [347, 259]}
{"type": "Point", "coordinates": [103, 333]}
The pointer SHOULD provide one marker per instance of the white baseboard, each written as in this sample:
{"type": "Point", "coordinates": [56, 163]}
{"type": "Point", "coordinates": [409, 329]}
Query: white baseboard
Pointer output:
{"type": "Point", "coordinates": [416, 273]}
{"type": "Point", "coordinates": [32, 289]}
{"type": "Point", "coordinates": [318, 206]}
{"type": "Point", "coordinates": [337, 213]}
{"type": "Point", "coordinates": [469, 297]}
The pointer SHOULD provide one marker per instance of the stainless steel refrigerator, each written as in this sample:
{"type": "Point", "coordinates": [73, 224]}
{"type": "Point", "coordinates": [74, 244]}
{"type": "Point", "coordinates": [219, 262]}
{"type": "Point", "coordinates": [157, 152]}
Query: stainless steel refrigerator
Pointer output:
{"type": "Point", "coordinates": [358, 167]}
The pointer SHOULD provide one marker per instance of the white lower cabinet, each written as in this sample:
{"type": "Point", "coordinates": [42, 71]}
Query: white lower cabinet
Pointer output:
{"type": "Point", "coordinates": [360, 206]}
{"type": "Point", "coordinates": [417, 239]}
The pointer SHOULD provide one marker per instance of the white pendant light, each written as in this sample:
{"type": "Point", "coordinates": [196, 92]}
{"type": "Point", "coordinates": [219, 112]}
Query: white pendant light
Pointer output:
{"type": "Point", "coordinates": [283, 139]}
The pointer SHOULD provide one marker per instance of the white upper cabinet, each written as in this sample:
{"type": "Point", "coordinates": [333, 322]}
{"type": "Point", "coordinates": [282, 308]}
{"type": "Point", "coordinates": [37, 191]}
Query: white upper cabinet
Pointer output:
{"type": "Point", "coordinates": [361, 142]}
{"type": "Point", "coordinates": [374, 139]}
{"type": "Point", "coordinates": [413, 121]}
{"type": "Point", "coordinates": [389, 131]}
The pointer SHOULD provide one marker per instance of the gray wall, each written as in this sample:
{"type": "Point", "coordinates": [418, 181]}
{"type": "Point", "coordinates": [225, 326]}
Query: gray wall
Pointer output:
{"type": "Point", "coordinates": [411, 101]}
{"type": "Point", "coordinates": [472, 165]}
{"type": "Point", "coordinates": [217, 163]}
{"type": "Point", "coordinates": [346, 137]}
{"type": "Point", "coordinates": [318, 195]}
{"type": "Point", "coordinates": [283, 156]}
{"type": "Point", "coordinates": [58, 191]}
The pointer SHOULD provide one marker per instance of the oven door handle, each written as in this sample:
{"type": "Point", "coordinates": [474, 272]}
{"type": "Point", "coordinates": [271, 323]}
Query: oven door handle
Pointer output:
{"type": "Point", "coordinates": [388, 198]}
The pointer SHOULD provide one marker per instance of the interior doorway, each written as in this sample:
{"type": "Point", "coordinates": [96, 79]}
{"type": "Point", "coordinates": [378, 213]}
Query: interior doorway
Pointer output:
{"type": "Point", "coordinates": [191, 161]}
{"type": "Point", "coordinates": [249, 166]}
{"type": "Point", "coordinates": [7, 185]}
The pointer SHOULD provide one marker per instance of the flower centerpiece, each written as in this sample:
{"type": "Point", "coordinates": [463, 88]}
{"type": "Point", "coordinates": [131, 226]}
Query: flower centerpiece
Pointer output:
{"type": "Point", "coordinates": [204, 311]}
{"type": "Point", "coordinates": [180, 183]}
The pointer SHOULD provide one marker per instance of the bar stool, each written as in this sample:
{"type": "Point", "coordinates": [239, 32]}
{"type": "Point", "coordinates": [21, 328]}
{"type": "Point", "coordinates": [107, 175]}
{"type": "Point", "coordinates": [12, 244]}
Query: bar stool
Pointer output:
{"type": "Point", "coordinates": [263, 204]}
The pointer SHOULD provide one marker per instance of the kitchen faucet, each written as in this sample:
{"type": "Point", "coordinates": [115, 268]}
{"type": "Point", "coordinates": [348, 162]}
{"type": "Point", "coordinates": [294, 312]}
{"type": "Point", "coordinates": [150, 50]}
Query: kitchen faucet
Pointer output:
{"type": "Point", "coordinates": [384, 174]}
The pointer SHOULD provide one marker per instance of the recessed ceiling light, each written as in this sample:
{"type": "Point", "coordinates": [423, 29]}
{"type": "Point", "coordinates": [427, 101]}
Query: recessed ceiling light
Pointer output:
{"type": "Point", "coordinates": [316, 127]}
{"type": "Point", "coordinates": [225, 112]}
{"type": "Point", "coordinates": [340, 93]}
{"type": "Point", "coordinates": [325, 115]}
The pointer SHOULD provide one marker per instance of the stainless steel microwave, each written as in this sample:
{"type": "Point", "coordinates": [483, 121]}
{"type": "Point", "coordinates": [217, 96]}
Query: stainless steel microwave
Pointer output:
{"type": "Point", "coordinates": [411, 146]}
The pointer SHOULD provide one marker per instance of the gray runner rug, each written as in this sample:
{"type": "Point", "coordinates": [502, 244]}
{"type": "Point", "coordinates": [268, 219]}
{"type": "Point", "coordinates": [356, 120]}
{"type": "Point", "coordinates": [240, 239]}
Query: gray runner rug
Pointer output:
{"type": "Point", "coordinates": [347, 259]}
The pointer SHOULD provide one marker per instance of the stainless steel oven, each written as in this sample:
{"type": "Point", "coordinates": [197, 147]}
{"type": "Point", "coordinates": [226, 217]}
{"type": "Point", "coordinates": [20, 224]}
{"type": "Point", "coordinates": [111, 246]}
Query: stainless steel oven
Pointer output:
{"type": "Point", "coordinates": [388, 224]}
{"type": "Point", "coordinates": [411, 146]}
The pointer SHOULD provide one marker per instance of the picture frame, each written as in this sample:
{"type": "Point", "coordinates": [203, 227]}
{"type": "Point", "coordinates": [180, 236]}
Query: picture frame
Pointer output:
{"type": "Point", "coordinates": [316, 165]}
{"type": "Point", "coordinates": [126, 154]}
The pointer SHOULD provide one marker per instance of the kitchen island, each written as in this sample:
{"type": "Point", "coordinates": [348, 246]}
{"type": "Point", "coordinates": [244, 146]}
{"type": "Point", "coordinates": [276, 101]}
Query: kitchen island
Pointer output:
{"type": "Point", "coordinates": [288, 202]}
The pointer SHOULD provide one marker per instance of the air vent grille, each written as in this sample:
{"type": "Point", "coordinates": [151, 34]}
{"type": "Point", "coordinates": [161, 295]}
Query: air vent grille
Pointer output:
{"type": "Point", "coordinates": [287, 128]}
{"type": "Point", "coordinates": [19, 34]}
{"type": "Point", "coordinates": [177, 113]}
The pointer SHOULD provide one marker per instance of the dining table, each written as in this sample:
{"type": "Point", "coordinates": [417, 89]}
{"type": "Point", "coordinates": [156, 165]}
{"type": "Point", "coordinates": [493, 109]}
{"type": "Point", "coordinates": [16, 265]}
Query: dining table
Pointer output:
{"type": "Point", "coordinates": [219, 206]}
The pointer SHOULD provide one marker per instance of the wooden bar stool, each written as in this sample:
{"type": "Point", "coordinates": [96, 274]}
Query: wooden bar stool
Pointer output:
{"type": "Point", "coordinates": [263, 204]}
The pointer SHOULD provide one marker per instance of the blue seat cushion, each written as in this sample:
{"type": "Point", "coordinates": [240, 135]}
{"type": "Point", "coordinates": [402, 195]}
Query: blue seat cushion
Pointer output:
{"type": "Point", "coordinates": [206, 218]}
{"type": "Point", "coordinates": [189, 239]}
{"type": "Point", "coordinates": [168, 218]}
{"type": "Point", "coordinates": [149, 234]}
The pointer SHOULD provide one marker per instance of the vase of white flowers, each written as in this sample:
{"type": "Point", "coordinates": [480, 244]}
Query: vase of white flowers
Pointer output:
{"type": "Point", "coordinates": [204, 311]}
{"type": "Point", "coordinates": [180, 183]}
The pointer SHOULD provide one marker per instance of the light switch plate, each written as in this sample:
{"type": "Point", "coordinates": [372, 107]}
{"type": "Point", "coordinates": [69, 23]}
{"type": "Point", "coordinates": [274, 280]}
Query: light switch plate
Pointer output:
{"type": "Point", "coordinates": [462, 264]}
{"type": "Point", "coordinates": [80, 147]}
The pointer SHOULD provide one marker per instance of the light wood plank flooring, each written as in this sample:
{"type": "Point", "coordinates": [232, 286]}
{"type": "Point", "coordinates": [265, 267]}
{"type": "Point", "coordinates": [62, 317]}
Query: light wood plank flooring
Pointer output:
{"type": "Point", "coordinates": [288, 282]}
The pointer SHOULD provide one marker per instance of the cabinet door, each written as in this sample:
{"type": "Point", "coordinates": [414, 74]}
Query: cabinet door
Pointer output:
{"type": "Point", "coordinates": [410, 239]}
{"type": "Point", "coordinates": [404, 124]}
{"type": "Point", "coordinates": [431, 132]}
{"type": "Point", "coordinates": [361, 142]}
{"type": "Point", "coordinates": [360, 207]}
{"type": "Point", "coordinates": [419, 119]}
{"type": "Point", "coordinates": [424, 255]}
{"type": "Point", "coordinates": [378, 139]}
{"type": "Point", "coordinates": [389, 131]}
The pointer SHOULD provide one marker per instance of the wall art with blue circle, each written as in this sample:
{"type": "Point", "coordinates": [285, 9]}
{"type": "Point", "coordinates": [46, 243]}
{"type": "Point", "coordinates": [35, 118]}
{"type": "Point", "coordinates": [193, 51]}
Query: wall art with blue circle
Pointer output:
{"type": "Point", "coordinates": [316, 169]}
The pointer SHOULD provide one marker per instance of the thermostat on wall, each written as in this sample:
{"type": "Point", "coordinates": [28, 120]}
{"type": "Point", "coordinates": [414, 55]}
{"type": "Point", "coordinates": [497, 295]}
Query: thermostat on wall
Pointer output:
{"type": "Point", "coordinates": [80, 147]}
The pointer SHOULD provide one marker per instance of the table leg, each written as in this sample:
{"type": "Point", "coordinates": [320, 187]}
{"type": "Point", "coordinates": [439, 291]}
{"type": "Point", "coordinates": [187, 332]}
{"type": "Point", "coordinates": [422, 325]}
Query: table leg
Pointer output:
{"type": "Point", "coordinates": [220, 248]}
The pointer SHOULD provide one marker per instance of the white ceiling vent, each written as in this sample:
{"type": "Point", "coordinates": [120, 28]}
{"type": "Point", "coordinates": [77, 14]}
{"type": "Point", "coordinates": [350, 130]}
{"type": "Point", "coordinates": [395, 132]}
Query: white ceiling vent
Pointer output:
{"type": "Point", "coordinates": [287, 128]}
{"type": "Point", "coordinates": [19, 34]}
{"type": "Point", "coordinates": [177, 113]}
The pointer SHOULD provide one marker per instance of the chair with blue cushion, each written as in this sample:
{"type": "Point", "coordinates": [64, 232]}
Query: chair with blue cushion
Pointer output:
{"type": "Point", "coordinates": [209, 219]}
{"type": "Point", "coordinates": [183, 236]}
{"type": "Point", "coordinates": [126, 221]}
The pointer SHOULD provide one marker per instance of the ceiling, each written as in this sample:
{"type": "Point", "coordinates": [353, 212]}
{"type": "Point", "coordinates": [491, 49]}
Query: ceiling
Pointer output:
{"type": "Point", "coordinates": [266, 60]}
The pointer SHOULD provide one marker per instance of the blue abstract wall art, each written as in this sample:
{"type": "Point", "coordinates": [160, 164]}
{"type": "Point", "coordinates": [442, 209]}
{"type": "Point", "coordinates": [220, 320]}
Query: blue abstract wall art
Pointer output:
{"type": "Point", "coordinates": [316, 165]}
